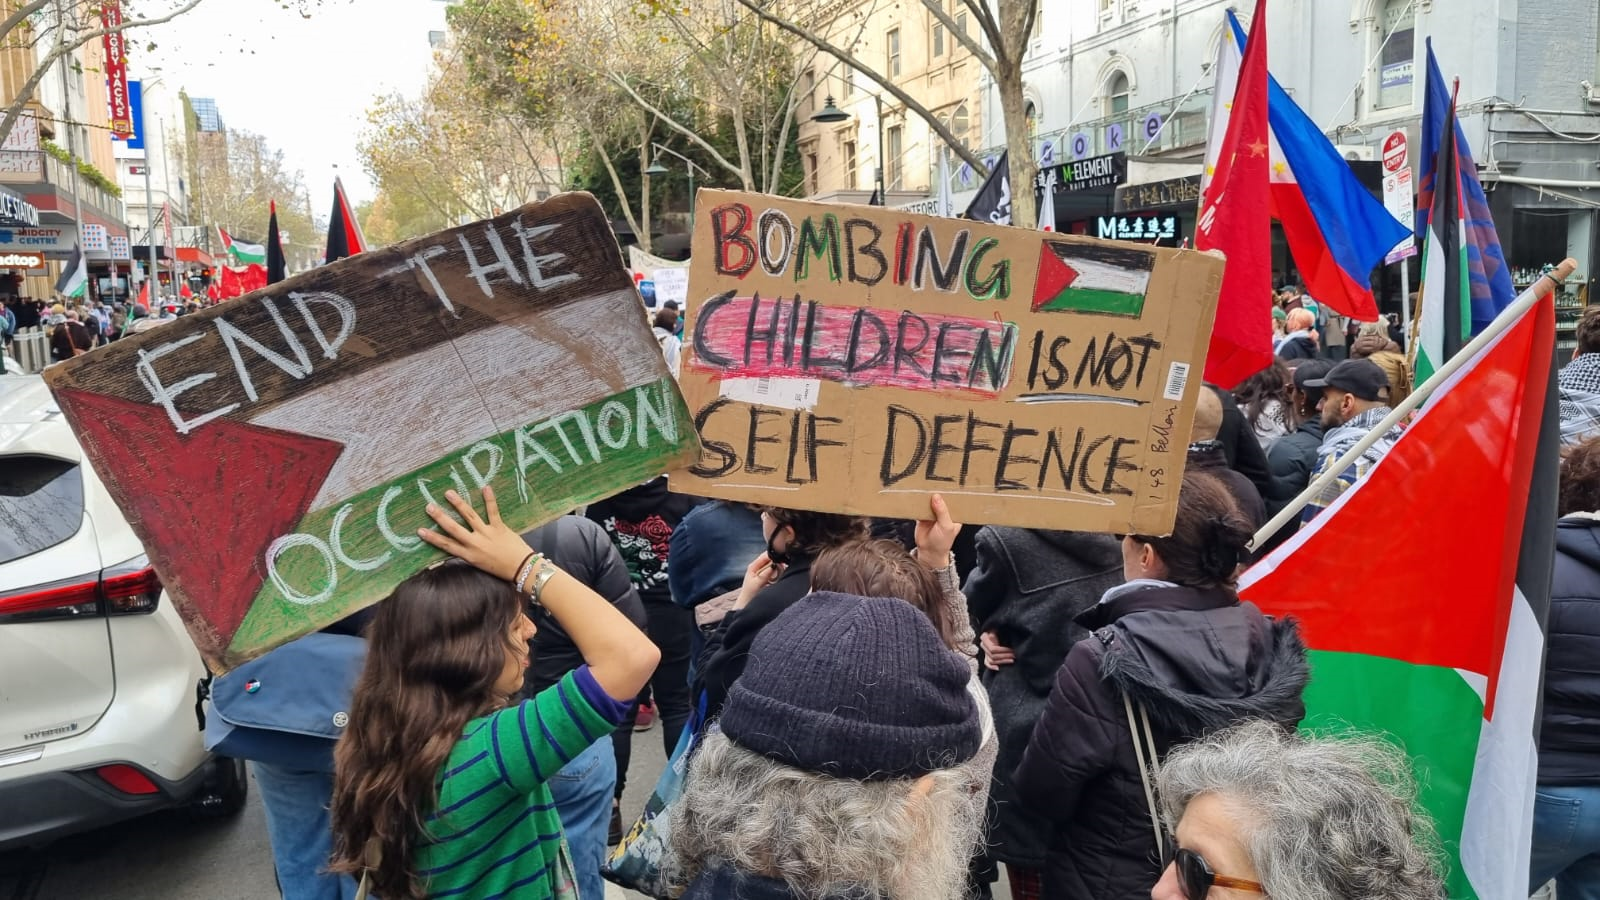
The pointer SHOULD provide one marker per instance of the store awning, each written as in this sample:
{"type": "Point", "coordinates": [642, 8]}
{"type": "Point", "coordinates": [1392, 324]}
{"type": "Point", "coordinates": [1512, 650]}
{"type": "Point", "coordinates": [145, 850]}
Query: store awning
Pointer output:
{"type": "Point", "coordinates": [194, 255]}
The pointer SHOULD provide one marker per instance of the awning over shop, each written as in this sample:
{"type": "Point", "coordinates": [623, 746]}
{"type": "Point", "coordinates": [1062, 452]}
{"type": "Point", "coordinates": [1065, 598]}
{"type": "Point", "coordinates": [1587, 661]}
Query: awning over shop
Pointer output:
{"type": "Point", "coordinates": [194, 255]}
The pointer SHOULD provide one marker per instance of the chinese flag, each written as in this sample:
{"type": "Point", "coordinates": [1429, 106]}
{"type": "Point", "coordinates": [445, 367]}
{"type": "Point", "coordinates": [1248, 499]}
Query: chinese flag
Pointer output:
{"type": "Point", "coordinates": [1236, 218]}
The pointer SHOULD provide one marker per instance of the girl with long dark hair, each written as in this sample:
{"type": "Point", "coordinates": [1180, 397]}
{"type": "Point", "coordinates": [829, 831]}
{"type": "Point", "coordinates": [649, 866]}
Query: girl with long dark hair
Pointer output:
{"type": "Point", "coordinates": [439, 782]}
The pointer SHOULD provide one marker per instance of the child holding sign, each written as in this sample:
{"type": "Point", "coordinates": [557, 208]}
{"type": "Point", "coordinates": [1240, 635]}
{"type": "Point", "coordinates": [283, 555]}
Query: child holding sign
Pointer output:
{"type": "Point", "coordinates": [439, 787]}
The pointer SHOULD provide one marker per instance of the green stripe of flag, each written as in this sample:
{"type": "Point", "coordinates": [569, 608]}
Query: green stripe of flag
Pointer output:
{"type": "Point", "coordinates": [1429, 711]}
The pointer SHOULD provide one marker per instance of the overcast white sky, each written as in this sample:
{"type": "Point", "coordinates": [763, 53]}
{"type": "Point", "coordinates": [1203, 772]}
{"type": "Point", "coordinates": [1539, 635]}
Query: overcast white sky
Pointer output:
{"type": "Point", "coordinates": [304, 83]}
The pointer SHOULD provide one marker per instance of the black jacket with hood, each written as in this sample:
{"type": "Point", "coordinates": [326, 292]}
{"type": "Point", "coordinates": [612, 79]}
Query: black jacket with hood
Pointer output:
{"type": "Point", "coordinates": [1027, 586]}
{"type": "Point", "coordinates": [1569, 736]}
{"type": "Point", "coordinates": [1197, 660]}
{"type": "Point", "coordinates": [582, 549]}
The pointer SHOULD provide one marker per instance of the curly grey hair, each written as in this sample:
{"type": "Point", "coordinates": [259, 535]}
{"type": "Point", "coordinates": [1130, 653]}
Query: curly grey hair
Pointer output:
{"type": "Point", "coordinates": [821, 835]}
{"type": "Point", "coordinates": [1328, 818]}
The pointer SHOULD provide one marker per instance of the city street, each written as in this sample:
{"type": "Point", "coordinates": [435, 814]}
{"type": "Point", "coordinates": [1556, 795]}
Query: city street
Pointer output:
{"type": "Point", "coordinates": [169, 857]}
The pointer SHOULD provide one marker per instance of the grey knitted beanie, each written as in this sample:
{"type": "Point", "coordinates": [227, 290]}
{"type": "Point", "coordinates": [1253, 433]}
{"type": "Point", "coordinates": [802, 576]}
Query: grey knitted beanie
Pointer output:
{"type": "Point", "coordinates": [854, 687]}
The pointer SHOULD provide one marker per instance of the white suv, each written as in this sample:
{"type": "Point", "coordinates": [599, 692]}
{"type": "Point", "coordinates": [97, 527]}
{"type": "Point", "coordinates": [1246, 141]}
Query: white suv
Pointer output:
{"type": "Point", "coordinates": [102, 693]}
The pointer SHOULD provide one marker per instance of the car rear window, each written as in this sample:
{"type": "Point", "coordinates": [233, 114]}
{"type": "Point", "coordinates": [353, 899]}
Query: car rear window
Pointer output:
{"type": "Point", "coordinates": [41, 504]}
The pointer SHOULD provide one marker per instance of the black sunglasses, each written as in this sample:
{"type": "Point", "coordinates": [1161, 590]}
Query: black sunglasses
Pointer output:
{"type": "Point", "coordinates": [1196, 878]}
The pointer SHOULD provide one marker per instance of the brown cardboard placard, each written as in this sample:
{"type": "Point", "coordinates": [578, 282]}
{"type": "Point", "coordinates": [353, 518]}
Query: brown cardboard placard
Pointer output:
{"type": "Point", "coordinates": [854, 359]}
{"type": "Point", "coordinates": [275, 454]}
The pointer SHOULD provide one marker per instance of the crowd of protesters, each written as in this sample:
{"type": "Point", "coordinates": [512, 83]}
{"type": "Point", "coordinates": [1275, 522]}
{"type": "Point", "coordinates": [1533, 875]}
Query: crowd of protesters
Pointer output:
{"type": "Point", "coordinates": [884, 710]}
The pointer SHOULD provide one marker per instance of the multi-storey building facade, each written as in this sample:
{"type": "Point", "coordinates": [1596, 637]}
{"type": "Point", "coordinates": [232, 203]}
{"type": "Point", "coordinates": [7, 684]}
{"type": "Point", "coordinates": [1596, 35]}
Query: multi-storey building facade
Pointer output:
{"type": "Point", "coordinates": [908, 45]}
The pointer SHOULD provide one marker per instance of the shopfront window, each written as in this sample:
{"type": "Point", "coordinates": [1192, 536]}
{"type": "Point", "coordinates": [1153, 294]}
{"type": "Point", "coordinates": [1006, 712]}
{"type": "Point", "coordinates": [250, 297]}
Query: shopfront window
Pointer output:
{"type": "Point", "coordinates": [960, 122]}
{"type": "Point", "coordinates": [1396, 61]}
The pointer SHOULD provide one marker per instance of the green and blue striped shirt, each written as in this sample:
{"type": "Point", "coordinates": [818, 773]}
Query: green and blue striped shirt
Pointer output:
{"type": "Point", "coordinates": [495, 831]}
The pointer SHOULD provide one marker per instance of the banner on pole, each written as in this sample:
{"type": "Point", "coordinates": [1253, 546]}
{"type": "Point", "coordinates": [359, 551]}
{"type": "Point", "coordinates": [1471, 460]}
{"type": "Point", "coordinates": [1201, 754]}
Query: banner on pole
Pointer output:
{"type": "Point", "coordinates": [114, 43]}
{"type": "Point", "coordinates": [335, 405]}
{"type": "Point", "coordinates": [853, 359]}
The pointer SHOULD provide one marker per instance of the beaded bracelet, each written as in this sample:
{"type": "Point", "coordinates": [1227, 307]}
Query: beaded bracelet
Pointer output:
{"type": "Point", "coordinates": [526, 569]}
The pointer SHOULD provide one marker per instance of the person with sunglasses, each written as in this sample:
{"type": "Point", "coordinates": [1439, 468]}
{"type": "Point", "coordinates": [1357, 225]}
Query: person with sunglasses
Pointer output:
{"type": "Point", "coordinates": [1172, 655]}
{"type": "Point", "coordinates": [1258, 810]}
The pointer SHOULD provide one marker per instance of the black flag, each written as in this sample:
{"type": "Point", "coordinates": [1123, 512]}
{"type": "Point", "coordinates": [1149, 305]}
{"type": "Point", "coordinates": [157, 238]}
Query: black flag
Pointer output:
{"type": "Point", "coordinates": [344, 232]}
{"type": "Point", "coordinates": [993, 201]}
{"type": "Point", "coordinates": [277, 268]}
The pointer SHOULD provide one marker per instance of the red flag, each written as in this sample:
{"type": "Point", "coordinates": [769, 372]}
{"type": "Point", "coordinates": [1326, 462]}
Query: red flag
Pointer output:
{"type": "Point", "coordinates": [1236, 218]}
{"type": "Point", "coordinates": [344, 232]}
{"type": "Point", "coordinates": [183, 289]}
{"type": "Point", "coordinates": [232, 284]}
{"type": "Point", "coordinates": [144, 295]}
{"type": "Point", "coordinates": [214, 291]}
{"type": "Point", "coordinates": [253, 277]}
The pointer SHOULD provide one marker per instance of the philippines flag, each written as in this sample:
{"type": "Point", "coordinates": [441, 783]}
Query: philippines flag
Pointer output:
{"type": "Point", "coordinates": [1488, 277]}
{"type": "Point", "coordinates": [1336, 230]}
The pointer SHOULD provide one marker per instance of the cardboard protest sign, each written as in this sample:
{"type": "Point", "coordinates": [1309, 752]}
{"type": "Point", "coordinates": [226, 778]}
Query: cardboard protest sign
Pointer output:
{"type": "Point", "coordinates": [853, 359]}
{"type": "Point", "coordinates": [276, 453]}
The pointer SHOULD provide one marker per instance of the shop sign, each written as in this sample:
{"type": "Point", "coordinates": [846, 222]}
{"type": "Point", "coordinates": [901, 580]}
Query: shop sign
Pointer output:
{"type": "Point", "coordinates": [21, 260]}
{"type": "Point", "coordinates": [1108, 170]}
{"type": "Point", "coordinates": [43, 239]}
{"type": "Point", "coordinates": [1159, 194]}
{"type": "Point", "coordinates": [120, 247]}
{"type": "Point", "coordinates": [1137, 228]}
{"type": "Point", "coordinates": [17, 210]}
{"type": "Point", "coordinates": [95, 238]}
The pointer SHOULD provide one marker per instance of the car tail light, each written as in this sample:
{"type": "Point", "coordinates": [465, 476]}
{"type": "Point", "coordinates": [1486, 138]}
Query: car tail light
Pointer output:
{"type": "Point", "coordinates": [127, 779]}
{"type": "Point", "coordinates": [131, 588]}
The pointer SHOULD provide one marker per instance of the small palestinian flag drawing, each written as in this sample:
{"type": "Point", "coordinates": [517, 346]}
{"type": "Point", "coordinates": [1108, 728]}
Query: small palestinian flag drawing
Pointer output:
{"type": "Point", "coordinates": [1091, 278]}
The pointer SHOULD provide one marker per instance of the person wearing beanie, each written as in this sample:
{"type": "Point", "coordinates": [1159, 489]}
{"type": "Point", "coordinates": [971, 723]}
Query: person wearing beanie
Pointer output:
{"type": "Point", "coordinates": [834, 772]}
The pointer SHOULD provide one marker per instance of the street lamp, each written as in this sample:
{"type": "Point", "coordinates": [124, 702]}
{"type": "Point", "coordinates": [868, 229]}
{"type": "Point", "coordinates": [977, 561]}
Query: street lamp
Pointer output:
{"type": "Point", "coordinates": [656, 168]}
{"type": "Point", "coordinates": [830, 114]}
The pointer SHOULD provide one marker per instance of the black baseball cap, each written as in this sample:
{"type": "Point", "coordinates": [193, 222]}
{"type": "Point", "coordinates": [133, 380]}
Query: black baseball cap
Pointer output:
{"type": "Point", "coordinates": [1360, 377]}
{"type": "Point", "coordinates": [1309, 369]}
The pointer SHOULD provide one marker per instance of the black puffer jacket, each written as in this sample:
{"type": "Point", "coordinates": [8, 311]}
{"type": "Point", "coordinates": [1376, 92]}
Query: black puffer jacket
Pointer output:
{"type": "Point", "coordinates": [1569, 738]}
{"type": "Point", "coordinates": [1198, 660]}
{"type": "Point", "coordinates": [1027, 586]}
{"type": "Point", "coordinates": [582, 549]}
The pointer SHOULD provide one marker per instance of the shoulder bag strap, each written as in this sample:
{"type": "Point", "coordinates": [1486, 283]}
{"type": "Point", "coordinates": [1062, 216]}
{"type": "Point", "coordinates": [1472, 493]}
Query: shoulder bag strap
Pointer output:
{"type": "Point", "coordinates": [1144, 770]}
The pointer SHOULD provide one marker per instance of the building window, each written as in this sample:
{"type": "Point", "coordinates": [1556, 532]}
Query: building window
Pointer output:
{"type": "Point", "coordinates": [811, 172]}
{"type": "Point", "coordinates": [805, 103]}
{"type": "Point", "coordinates": [892, 153]}
{"type": "Point", "coordinates": [850, 165]}
{"type": "Point", "coordinates": [960, 121]}
{"type": "Point", "coordinates": [961, 21]}
{"type": "Point", "coordinates": [1397, 31]}
{"type": "Point", "coordinates": [1030, 115]}
{"type": "Point", "coordinates": [893, 41]}
{"type": "Point", "coordinates": [1117, 93]}
{"type": "Point", "coordinates": [1108, 10]}
{"type": "Point", "coordinates": [938, 38]}
{"type": "Point", "coordinates": [848, 88]}
{"type": "Point", "coordinates": [436, 39]}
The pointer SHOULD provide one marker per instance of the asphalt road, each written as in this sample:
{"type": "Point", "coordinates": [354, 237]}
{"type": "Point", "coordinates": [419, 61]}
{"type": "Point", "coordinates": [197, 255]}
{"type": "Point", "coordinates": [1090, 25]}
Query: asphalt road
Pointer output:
{"type": "Point", "coordinates": [167, 856]}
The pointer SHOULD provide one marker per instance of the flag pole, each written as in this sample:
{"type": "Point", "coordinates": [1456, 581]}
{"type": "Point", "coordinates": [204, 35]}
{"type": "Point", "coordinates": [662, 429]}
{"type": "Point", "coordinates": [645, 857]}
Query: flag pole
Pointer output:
{"type": "Point", "coordinates": [1535, 292]}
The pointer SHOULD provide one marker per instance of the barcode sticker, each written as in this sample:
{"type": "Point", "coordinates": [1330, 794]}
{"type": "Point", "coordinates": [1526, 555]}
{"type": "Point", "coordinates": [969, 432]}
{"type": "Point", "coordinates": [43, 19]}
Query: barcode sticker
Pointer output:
{"type": "Point", "coordinates": [1177, 380]}
{"type": "Point", "coordinates": [785, 393]}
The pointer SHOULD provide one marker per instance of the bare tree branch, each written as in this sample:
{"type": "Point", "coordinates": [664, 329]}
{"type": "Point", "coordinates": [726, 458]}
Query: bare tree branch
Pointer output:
{"type": "Point", "coordinates": [63, 47]}
{"type": "Point", "coordinates": [986, 22]}
{"type": "Point", "coordinates": [888, 86]}
{"type": "Point", "coordinates": [672, 123]}
{"type": "Point", "coordinates": [960, 34]}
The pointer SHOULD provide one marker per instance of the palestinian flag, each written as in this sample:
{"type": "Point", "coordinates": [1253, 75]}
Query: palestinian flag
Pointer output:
{"type": "Point", "coordinates": [1445, 296]}
{"type": "Point", "coordinates": [74, 280]}
{"type": "Point", "coordinates": [1092, 278]}
{"type": "Point", "coordinates": [242, 252]}
{"type": "Point", "coordinates": [1422, 593]}
{"type": "Point", "coordinates": [344, 232]}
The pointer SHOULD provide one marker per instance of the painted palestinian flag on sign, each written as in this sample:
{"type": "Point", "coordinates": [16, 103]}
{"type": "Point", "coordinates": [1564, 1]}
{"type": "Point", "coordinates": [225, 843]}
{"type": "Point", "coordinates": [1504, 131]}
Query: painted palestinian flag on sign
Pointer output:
{"type": "Point", "coordinates": [243, 252]}
{"type": "Point", "coordinates": [1422, 593]}
{"type": "Point", "coordinates": [303, 429]}
{"type": "Point", "coordinates": [1092, 278]}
